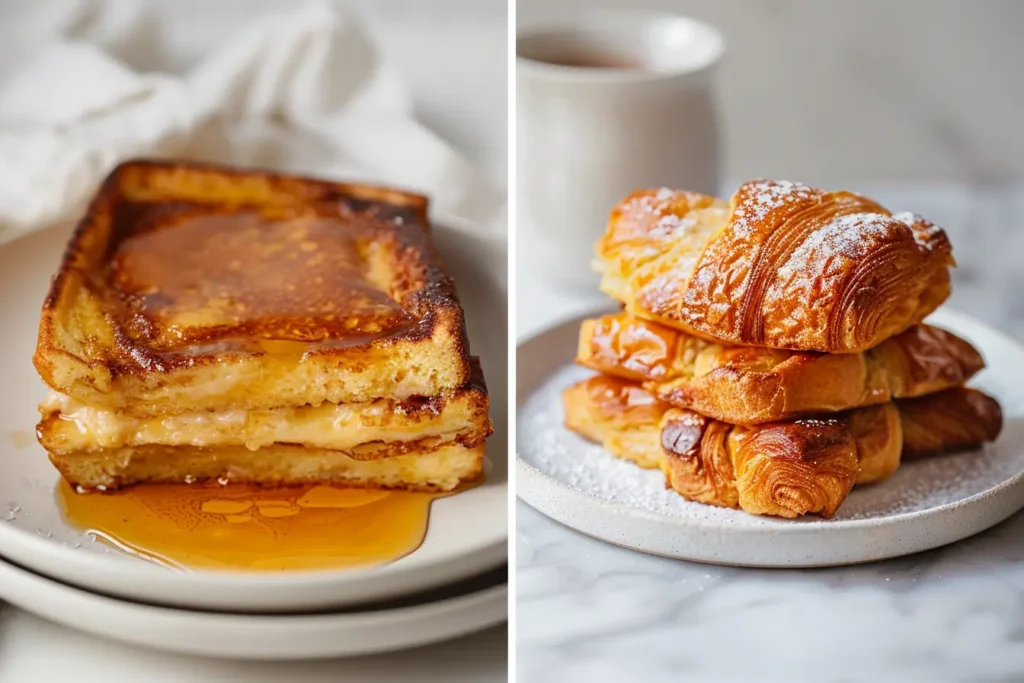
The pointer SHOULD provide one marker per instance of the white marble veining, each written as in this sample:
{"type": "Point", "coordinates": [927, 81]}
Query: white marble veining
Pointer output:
{"type": "Point", "coordinates": [591, 611]}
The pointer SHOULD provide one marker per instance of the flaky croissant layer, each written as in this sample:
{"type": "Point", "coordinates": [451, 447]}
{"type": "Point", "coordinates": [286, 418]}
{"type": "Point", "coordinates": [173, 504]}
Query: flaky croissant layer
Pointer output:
{"type": "Point", "coordinates": [753, 385]}
{"type": "Point", "coordinates": [782, 265]}
{"type": "Point", "coordinates": [786, 469]}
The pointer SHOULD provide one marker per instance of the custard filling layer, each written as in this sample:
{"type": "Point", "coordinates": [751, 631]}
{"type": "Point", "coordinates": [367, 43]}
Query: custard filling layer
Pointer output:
{"type": "Point", "coordinates": [68, 425]}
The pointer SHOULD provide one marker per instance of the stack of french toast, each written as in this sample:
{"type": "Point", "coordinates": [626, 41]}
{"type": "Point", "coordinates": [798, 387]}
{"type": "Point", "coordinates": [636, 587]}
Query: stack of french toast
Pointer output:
{"type": "Point", "coordinates": [770, 352]}
{"type": "Point", "coordinates": [209, 324]}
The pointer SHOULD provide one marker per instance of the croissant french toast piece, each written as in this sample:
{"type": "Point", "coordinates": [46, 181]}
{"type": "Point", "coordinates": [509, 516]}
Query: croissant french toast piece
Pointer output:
{"type": "Point", "coordinates": [627, 421]}
{"type": "Point", "coordinates": [948, 421]}
{"type": "Point", "coordinates": [753, 385]}
{"type": "Point", "coordinates": [781, 265]}
{"type": "Point", "coordinates": [786, 469]}
{"type": "Point", "coordinates": [789, 469]}
{"type": "Point", "coordinates": [622, 416]}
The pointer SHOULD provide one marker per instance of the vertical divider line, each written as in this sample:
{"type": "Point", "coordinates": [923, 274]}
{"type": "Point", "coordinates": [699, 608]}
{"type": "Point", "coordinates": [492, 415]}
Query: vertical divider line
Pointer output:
{"type": "Point", "coordinates": [512, 283]}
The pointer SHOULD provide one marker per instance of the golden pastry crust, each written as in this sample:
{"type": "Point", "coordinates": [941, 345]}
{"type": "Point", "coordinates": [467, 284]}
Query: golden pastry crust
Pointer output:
{"type": "Point", "coordinates": [786, 469]}
{"type": "Point", "coordinates": [696, 459]}
{"type": "Point", "coordinates": [782, 265]}
{"type": "Point", "coordinates": [878, 433]}
{"type": "Point", "coordinates": [950, 420]}
{"type": "Point", "coordinates": [621, 416]}
{"type": "Point", "coordinates": [807, 466]}
{"type": "Point", "coordinates": [752, 385]}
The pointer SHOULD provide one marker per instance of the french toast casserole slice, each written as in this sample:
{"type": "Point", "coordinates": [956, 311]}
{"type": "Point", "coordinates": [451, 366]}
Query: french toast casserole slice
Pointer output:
{"type": "Point", "coordinates": [205, 312]}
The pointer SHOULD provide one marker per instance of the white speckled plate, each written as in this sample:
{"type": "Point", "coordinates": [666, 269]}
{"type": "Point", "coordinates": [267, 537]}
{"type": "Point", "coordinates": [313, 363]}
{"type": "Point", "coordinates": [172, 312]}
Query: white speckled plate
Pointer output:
{"type": "Point", "coordinates": [926, 504]}
{"type": "Point", "coordinates": [468, 533]}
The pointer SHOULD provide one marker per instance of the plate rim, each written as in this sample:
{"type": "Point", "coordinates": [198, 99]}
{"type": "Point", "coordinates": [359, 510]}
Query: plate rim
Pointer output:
{"type": "Point", "coordinates": [136, 577]}
{"type": "Point", "coordinates": [55, 592]}
{"type": "Point", "coordinates": [533, 486]}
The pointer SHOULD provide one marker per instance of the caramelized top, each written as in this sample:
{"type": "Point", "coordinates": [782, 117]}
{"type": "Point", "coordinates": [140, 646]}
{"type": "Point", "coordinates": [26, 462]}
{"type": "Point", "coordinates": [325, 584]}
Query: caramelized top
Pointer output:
{"type": "Point", "coordinates": [638, 349]}
{"type": "Point", "coordinates": [185, 276]}
{"type": "Point", "coordinates": [783, 265]}
{"type": "Point", "coordinates": [177, 264]}
{"type": "Point", "coordinates": [934, 356]}
{"type": "Point", "coordinates": [948, 420]}
{"type": "Point", "coordinates": [618, 398]}
{"type": "Point", "coordinates": [635, 348]}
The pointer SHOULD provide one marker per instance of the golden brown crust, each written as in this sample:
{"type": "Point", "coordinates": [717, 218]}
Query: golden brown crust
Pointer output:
{"type": "Point", "coordinates": [786, 469]}
{"type": "Point", "coordinates": [179, 269]}
{"type": "Point", "coordinates": [752, 385]}
{"type": "Point", "coordinates": [783, 265]}
{"type": "Point", "coordinates": [622, 416]}
{"type": "Point", "coordinates": [878, 433]}
{"type": "Point", "coordinates": [789, 469]}
{"type": "Point", "coordinates": [695, 459]}
{"type": "Point", "coordinates": [279, 465]}
{"type": "Point", "coordinates": [949, 420]}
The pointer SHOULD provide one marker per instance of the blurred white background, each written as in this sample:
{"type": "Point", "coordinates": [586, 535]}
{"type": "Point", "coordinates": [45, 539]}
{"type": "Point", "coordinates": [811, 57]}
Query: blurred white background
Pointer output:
{"type": "Point", "coordinates": [477, 122]}
{"type": "Point", "coordinates": [836, 91]}
{"type": "Point", "coordinates": [449, 66]}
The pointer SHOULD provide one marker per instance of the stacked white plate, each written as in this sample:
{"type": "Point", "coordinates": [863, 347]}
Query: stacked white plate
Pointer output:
{"type": "Point", "coordinates": [453, 584]}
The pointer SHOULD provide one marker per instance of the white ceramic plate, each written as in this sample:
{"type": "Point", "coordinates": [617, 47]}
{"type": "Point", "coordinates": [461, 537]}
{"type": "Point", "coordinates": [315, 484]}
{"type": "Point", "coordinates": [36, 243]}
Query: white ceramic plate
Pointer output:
{"type": "Point", "coordinates": [926, 504]}
{"type": "Point", "coordinates": [467, 534]}
{"type": "Point", "coordinates": [482, 603]}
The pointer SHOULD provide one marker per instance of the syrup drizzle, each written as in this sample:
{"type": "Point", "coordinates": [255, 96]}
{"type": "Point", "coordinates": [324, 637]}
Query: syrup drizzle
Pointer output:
{"type": "Point", "coordinates": [251, 528]}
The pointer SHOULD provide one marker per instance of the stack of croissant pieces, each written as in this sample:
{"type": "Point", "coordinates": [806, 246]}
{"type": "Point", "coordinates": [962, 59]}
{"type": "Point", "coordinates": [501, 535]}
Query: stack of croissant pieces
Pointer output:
{"type": "Point", "coordinates": [770, 353]}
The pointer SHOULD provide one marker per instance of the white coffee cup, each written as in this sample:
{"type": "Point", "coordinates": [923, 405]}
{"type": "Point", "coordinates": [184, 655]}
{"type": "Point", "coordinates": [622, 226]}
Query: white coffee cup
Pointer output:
{"type": "Point", "coordinates": [608, 103]}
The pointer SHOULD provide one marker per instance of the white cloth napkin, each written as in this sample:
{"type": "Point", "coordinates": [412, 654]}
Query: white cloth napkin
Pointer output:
{"type": "Point", "coordinates": [87, 83]}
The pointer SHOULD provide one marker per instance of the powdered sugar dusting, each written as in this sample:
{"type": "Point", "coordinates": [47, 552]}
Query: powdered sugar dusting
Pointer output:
{"type": "Point", "coordinates": [924, 230]}
{"type": "Point", "coordinates": [547, 445]}
{"type": "Point", "coordinates": [908, 218]}
{"type": "Point", "coordinates": [659, 204]}
{"type": "Point", "coordinates": [759, 197]}
{"type": "Point", "coordinates": [847, 236]}
{"type": "Point", "coordinates": [918, 485]}
{"type": "Point", "coordinates": [647, 203]}
{"type": "Point", "coordinates": [670, 223]}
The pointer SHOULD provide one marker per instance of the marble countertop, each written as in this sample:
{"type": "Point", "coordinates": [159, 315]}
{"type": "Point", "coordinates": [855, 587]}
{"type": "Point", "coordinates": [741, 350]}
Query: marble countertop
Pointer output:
{"type": "Point", "coordinates": [591, 611]}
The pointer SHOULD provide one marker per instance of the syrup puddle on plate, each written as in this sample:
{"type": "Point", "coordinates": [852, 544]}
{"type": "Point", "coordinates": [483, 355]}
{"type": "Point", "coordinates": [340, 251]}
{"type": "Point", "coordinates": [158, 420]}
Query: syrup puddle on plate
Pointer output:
{"type": "Point", "coordinates": [252, 528]}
